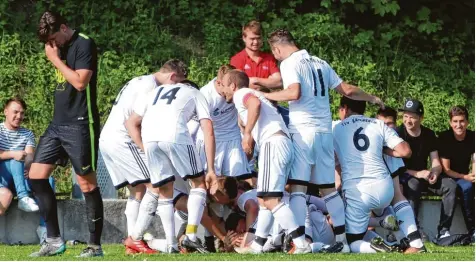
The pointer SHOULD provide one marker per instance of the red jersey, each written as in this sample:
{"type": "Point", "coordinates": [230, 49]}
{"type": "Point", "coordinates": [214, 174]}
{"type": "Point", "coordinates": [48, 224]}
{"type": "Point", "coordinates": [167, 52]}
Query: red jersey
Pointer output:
{"type": "Point", "coordinates": [265, 67]}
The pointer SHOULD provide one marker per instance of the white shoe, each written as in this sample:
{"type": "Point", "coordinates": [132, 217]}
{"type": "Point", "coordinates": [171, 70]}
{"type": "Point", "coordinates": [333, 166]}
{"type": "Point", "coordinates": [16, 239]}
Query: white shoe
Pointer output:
{"type": "Point", "coordinates": [27, 204]}
{"type": "Point", "coordinates": [247, 250]}
{"type": "Point", "coordinates": [147, 236]}
{"type": "Point", "coordinates": [301, 250]}
{"type": "Point", "coordinates": [41, 232]}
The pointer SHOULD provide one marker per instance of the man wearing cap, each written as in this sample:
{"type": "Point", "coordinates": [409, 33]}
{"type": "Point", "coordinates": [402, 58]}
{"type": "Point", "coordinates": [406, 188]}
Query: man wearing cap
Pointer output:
{"type": "Point", "coordinates": [418, 177]}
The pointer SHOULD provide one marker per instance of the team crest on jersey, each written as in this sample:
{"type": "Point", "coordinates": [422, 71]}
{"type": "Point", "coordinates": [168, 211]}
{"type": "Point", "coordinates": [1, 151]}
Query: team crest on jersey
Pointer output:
{"type": "Point", "coordinates": [216, 112]}
{"type": "Point", "coordinates": [247, 67]}
{"type": "Point", "coordinates": [409, 104]}
{"type": "Point", "coordinates": [265, 68]}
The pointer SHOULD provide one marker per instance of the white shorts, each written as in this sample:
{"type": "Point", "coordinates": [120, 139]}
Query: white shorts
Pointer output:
{"type": "Point", "coordinates": [313, 159]}
{"type": "Point", "coordinates": [274, 162]}
{"type": "Point", "coordinates": [361, 200]}
{"type": "Point", "coordinates": [125, 163]}
{"type": "Point", "coordinates": [230, 160]}
{"type": "Point", "coordinates": [168, 160]}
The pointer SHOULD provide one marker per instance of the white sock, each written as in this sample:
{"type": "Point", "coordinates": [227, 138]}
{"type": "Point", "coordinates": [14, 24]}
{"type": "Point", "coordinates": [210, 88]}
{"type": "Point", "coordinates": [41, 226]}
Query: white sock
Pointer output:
{"type": "Point", "coordinates": [264, 223]}
{"type": "Point", "coordinates": [316, 247]}
{"type": "Point", "coordinates": [308, 224]}
{"type": "Point", "coordinates": [369, 235]}
{"type": "Point", "coordinates": [297, 203]}
{"type": "Point", "coordinates": [195, 205]}
{"type": "Point", "coordinates": [285, 217]}
{"type": "Point", "coordinates": [147, 209]}
{"type": "Point", "coordinates": [335, 206]}
{"type": "Point", "coordinates": [158, 244]}
{"type": "Point", "coordinates": [399, 235]}
{"type": "Point", "coordinates": [165, 209]}
{"type": "Point", "coordinates": [131, 212]}
{"type": "Point", "coordinates": [361, 246]}
{"type": "Point", "coordinates": [318, 202]}
{"type": "Point", "coordinates": [406, 216]}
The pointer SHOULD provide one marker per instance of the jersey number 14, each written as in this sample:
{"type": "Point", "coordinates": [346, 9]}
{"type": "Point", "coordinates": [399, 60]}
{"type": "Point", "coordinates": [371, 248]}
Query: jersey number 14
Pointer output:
{"type": "Point", "coordinates": [169, 96]}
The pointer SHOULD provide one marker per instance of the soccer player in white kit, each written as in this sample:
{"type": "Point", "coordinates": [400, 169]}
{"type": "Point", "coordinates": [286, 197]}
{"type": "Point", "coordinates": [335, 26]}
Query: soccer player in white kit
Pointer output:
{"type": "Point", "coordinates": [266, 127]}
{"type": "Point", "coordinates": [367, 186]}
{"type": "Point", "coordinates": [230, 160]}
{"type": "Point", "coordinates": [125, 162]}
{"type": "Point", "coordinates": [159, 126]}
{"type": "Point", "coordinates": [307, 81]}
{"type": "Point", "coordinates": [400, 204]}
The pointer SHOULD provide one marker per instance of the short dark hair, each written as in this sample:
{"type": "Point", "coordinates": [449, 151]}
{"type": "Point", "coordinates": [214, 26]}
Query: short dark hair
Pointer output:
{"type": "Point", "coordinates": [176, 66]}
{"type": "Point", "coordinates": [354, 105]}
{"type": "Point", "coordinates": [244, 185]}
{"type": "Point", "coordinates": [387, 112]}
{"type": "Point", "coordinates": [16, 99]}
{"type": "Point", "coordinates": [239, 78]}
{"type": "Point", "coordinates": [458, 111]}
{"type": "Point", "coordinates": [50, 23]}
{"type": "Point", "coordinates": [190, 83]}
{"type": "Point", "coordinates": [232, 221]}
{"type": "Point", "coordinates": [281, 36]}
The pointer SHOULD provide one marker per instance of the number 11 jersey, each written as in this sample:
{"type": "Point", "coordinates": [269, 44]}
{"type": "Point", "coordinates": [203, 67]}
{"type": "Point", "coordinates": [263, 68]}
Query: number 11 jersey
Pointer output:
{"type": "Point", "coordinates": [359, 142]}
{"type": "Point", "coordinates": [167, 109]}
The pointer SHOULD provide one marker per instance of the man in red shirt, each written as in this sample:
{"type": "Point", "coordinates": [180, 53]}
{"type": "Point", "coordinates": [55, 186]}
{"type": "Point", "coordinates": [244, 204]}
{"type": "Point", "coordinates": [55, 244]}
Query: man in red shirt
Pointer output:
{"type": "Point", "coordinates": [260, 67]}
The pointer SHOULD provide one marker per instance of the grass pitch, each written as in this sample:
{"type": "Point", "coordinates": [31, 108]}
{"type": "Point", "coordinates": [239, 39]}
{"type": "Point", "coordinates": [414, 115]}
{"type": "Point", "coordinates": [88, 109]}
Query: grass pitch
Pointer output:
{"type": "Point", "coordinates": [116, 253]}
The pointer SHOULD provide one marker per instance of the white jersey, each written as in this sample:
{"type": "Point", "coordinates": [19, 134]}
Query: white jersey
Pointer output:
{"type": "Point", "coordinates": [123, 107]}
{"type": "Point", "coordinates": [224, 116]}
{"type": "Point", "coordinates": [312, 110]}
{"type": "Point", "coordinates": [359, 143]}
{"type": "Point", "coordinates": [269, 122]}
{"type": "Point", "coordinates": [167, 109]}
{"type": "Point", "coordinates": [248, 195]}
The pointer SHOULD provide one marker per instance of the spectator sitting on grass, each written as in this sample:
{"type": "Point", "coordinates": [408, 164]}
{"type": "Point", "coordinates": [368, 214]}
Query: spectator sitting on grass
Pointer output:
{"type": "Point", "coordinates": [17, 146]}
{"type": "Point", "coordinates": [456, 153]}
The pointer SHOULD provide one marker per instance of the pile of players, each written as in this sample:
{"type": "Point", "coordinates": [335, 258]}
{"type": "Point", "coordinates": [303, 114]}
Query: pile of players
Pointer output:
{"type": "Point", "coordinates": [193, 154]}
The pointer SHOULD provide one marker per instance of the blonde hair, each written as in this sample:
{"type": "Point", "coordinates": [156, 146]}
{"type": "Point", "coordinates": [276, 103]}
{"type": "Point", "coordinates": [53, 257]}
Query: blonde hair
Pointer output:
{"type": "Point", "coordinates": [223, 70]}
{"type": "Point", "coordinates": [254, 26]}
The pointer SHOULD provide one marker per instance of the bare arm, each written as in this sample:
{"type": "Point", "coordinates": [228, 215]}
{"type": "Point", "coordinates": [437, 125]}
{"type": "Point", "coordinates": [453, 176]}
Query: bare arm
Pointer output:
{"type": "Point", "coordinates": [435, 163]}
{"type": "Point", "coordinates": [133, 126]}
{"type": "Point", "coordinates": [253, 106]}
{"type": "Point", "coordinates": [293, 92]}
{"type": "Point", "coordinates": [273, 81]}
{"type": "Point", "coordinates": [356, 93]}
{"type": "Point", "coordinates": [212, 226]}
{"type": "Point", "coordinates": [402, 150]}
{"type": "Point", "coordinates": [18, 155]}
{"type": "Point", "coordinates": [446, 163]}
{"type": "Point", "coordinates": [209, 139]}
{"type": "Point", "coordinates": [252, 209]}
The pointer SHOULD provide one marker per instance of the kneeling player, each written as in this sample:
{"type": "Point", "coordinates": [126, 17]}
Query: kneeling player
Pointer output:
{"type": "Point", "coordinates": [366, 183]}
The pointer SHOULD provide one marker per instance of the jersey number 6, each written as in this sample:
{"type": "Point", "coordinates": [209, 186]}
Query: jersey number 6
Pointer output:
{"type": "Point", "coordinates": [357, 137]}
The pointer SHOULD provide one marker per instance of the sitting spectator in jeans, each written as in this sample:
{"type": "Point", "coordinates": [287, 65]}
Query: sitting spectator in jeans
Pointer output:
{"type": "Point", "coordinates": [456, 153]}
{"type": "Point", "coordinates": [418, 177]}
{"type": "Point", "coordinates": [16, 154]}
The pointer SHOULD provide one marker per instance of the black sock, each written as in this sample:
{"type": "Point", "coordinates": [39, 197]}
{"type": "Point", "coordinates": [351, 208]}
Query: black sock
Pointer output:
{"type": "Point", "coordinates": [94, 215]}
{"type": "Point", "coordinates": [47, 203]}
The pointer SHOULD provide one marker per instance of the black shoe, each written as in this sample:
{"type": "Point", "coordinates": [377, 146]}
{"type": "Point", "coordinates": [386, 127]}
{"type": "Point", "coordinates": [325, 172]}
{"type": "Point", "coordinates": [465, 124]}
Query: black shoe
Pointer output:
{"type": "Point", "coordinates": [379, 245]}
{"type": "Point", "coordinates": [335, 248]}
{"type": "Point", "coordinates": [210, 244]}
{"type": "Point", "coordinates": [287, 243]}
{"type": "Point", "coordinates": [194, 245]}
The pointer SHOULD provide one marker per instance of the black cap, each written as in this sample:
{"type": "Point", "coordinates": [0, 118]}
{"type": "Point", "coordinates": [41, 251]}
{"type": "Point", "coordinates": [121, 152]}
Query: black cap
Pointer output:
{"type": "Point", "coordinates": [414, 106]}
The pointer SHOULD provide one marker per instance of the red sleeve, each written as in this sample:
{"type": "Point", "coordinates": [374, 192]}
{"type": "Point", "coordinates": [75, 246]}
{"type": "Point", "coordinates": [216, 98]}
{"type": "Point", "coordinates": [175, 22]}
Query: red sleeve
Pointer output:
{"type": "Point", "coordinates": [237, 62]}
{"type": "Point", "coordinates": [273, 66]}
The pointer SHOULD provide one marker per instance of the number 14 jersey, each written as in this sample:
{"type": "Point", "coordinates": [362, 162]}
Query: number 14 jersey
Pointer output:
{"type": "Point", "coordinates": [359, 142]}
{"type": "Point", "coordinates": [167, 109]}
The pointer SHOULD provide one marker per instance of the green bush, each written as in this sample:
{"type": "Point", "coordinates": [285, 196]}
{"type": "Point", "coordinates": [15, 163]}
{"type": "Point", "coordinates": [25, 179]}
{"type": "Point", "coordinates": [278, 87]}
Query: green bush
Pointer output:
{"type": "Point", "coordinates": [395, 49]}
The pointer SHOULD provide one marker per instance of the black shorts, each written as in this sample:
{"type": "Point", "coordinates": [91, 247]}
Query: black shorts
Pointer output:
{"type": "Point", "coordinates": [77, 142]}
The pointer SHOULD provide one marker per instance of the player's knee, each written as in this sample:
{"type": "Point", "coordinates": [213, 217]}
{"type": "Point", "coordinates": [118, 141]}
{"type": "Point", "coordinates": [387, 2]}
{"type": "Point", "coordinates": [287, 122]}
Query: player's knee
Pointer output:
{"type": "Point", "coordinates": [6, 197]}
{"type": "Point", "coordinates": [40, 171]}
{"type": "Point", "coordinates": [298, 189]}
{"type": "Point", "coordinates": [198, 182]}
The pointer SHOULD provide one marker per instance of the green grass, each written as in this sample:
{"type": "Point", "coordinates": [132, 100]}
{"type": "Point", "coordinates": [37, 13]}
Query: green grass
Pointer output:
{"type": "Point", "coordinates": [116, 252]}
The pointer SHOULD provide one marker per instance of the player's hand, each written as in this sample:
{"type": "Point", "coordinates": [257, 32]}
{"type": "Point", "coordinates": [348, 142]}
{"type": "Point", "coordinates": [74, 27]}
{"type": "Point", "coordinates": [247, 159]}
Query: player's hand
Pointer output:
{"type": "Point", "coordinates": [247, 144]}
{"type": "Point", "coordinates": [51, 51]}
{"type": "Point", "coordinates": [432, 178]}
{"type": "Point", "coordinates": [254, 83]}
{"type": "Point", "coordinates": [424, 174]}
{"type": "Point", "coordinates": [377, 101]}
{"type": "Point", "coordinates": [232, 239]}
{"type": "Point", "coordinates": [19, 155]}
{"type": "Point", "coordinates": [469, 177]}
{"type": "Point", "coordinates": [211, 182]}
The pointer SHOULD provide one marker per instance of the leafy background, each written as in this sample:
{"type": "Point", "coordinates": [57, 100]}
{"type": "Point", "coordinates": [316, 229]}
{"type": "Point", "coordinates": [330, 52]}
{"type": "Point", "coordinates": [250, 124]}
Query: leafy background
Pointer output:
{"type": "Point", "coordinates": [422, 49]}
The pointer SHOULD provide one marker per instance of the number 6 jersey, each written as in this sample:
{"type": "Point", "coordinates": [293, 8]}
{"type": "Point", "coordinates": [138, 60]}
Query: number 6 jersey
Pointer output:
{"type": "Point", "coordinates": [167, 109]}
{"type": "Point", "coordinates": [359, 143]}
